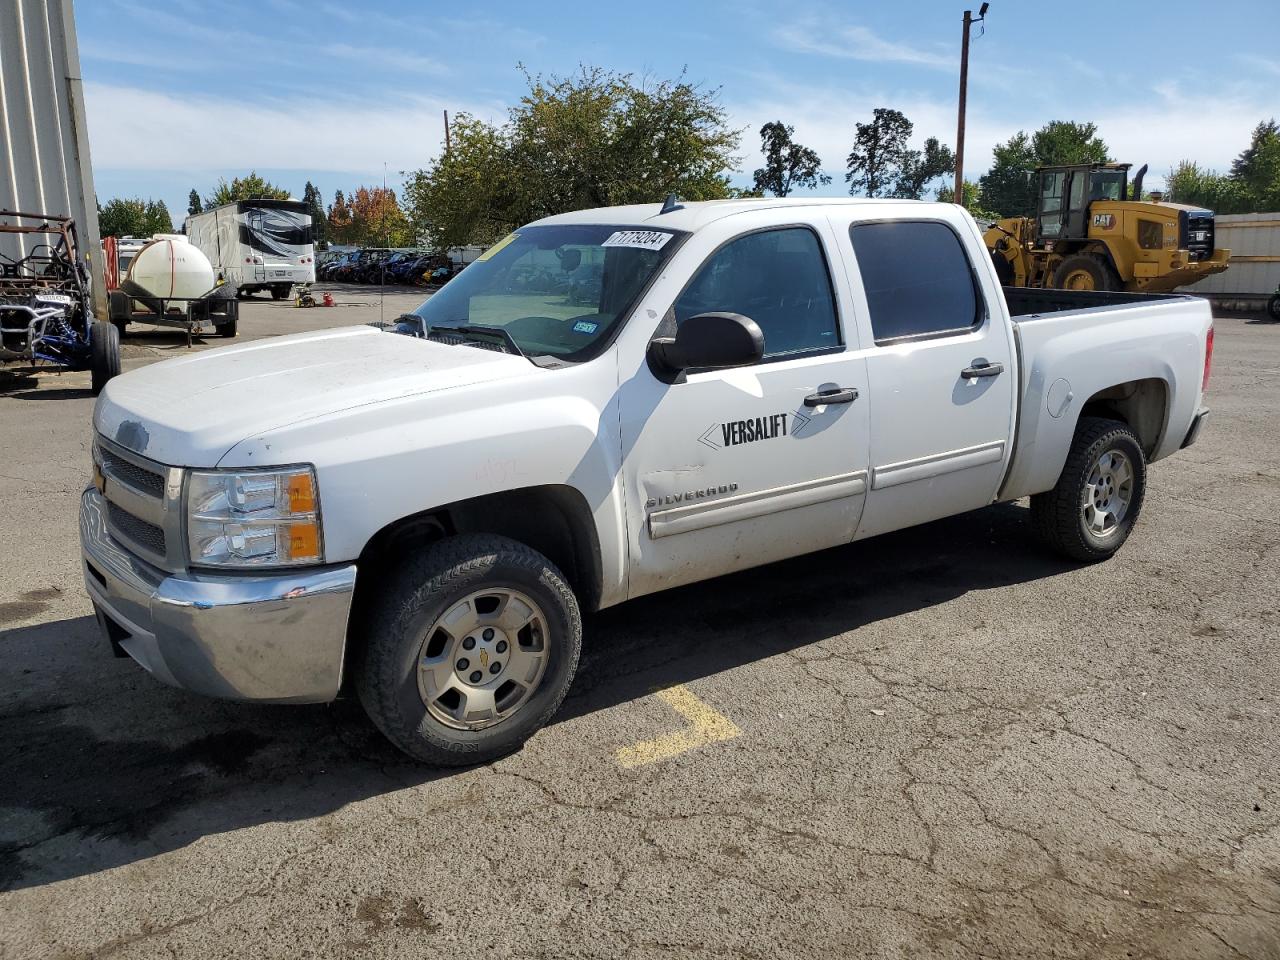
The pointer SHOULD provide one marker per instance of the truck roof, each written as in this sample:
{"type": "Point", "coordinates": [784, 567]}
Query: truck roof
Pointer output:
{"type": "Point", "coordinates": [695, 214]}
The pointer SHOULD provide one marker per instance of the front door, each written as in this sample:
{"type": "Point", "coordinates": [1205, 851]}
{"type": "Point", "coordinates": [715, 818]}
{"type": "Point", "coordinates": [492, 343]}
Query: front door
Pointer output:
{"type": "Point", "coordinates": [734, 468]}
{"type": "Point", "coordinates": [941, 372]}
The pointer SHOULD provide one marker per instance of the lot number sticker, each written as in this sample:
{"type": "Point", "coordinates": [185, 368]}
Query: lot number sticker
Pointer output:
{"type": "Point", "coordinates": [640, 239]}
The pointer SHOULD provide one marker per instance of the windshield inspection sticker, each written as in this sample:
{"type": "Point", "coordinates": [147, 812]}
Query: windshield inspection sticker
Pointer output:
{"type": "Point", "coordinates": [640, 239]}
{"type": "Point", "coordinates": [585, 326]}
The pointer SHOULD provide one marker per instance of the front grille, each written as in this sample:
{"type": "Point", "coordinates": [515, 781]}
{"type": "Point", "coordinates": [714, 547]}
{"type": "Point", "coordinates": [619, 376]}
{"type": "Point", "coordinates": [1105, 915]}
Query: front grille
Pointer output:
{"type": "Point", "coordinates": [132, 475]}
{"type": "Point", "coordinates": [1200, 238]}
{"type": "Point", "coordinates": [136, 530]}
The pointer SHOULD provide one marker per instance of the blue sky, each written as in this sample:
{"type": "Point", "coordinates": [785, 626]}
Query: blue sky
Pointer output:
{"type": "Point", "coordinates": [184, 92]}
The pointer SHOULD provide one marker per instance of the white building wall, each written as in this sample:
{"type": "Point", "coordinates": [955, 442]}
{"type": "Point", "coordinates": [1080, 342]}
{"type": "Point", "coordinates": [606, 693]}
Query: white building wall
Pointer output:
{"type": "Point", "coordinates": [44, 152]}
{"type": "Point", "coordinates": [1254, 242]}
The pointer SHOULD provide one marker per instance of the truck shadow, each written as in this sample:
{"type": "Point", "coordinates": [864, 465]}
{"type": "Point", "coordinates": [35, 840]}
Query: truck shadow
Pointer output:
{"type": "Point", "coordinates": [101, 766]}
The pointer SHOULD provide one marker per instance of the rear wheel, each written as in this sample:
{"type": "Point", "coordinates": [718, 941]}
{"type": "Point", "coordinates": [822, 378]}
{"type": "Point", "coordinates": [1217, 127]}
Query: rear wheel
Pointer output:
{"type": "Point", "coordinates": [1273, 307]}
{"type": "Point", "coordinates": [104, 355]}
{"type": "Point", "coordinates": [1085, 271]}
{"type": "Point", "coordinates": [227, 329]}
{"type": "Point", "coordinates": [279, 291]}
{"type": "Point", "coordinates": [1089, 514]}
{"type": "Point", "coordinates": [121, 326]}
{"type": "Point", "coordinates": [471, 649]}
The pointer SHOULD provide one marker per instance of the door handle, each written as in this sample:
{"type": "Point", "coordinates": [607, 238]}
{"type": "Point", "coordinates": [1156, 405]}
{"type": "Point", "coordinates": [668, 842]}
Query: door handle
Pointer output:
{"type": "Point", "coordinates": [982, 370]}
{"type": "Point", "coordinates": [831, 395]}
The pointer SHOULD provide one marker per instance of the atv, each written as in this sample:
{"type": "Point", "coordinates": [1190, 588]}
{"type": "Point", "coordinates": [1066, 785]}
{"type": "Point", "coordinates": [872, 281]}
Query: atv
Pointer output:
{"type": "Point", "coordinates": [46, 315]}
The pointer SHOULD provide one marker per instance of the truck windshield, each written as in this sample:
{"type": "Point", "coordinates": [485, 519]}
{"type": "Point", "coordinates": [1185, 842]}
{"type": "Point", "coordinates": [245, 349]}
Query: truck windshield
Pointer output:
{"type": "Point", "coordinates": [557, 291]}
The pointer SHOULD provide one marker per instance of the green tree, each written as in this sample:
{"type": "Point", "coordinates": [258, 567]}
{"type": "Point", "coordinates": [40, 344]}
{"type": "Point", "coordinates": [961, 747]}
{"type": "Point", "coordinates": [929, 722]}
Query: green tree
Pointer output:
{"type": "Point", "coordinates": [156, 218]}
{"type": "Point", "coordinates": [193, 203]}
{"type": "Point", "coordinates": [249, 187]}
{"type": "Point", "coordinates": [1007, 187]}
{"type": "Point", "coordinates": [133, 217]}
{"type": "Point", "coordinates": [947, 193]}
{"type": "Point", "coordinates": [787, 164]}
{"type": "Point", "coordinates": [315, 207]}
{"type": "Point", "coordinates": [879, 153]}
{"type": "Point", "coordinates": [1064, 141]}
{"type": "Point", "coordinates": [595, 138]}
{"type": "Point", "coordinates": [921, 167]}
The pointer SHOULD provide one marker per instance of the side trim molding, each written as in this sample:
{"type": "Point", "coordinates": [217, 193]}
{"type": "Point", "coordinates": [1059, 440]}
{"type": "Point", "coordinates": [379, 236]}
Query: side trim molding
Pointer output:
{"type": "Point", "coordinates": [925, 468]}
{"type": "Point", "coordinates": [747, 506]}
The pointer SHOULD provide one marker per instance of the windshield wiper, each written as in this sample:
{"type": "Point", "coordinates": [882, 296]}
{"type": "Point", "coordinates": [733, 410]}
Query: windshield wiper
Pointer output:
{"type": "Point", "coordinates": [478, 333]}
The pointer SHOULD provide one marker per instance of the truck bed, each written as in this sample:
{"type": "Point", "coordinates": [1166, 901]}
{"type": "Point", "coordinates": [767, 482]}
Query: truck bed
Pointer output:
{"type": "Point", "coordinates": [1029, 303]}
{"type": "Point", "coordinates": [1072, 343]}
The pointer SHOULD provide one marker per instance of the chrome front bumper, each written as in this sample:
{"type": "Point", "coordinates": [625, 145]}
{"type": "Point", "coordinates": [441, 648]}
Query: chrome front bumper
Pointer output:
{"type": "Point", "coordinates": [276, 638]}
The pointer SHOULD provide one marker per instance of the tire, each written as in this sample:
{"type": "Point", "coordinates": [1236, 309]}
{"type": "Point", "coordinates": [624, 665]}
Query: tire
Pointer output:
{"type": "Point", "coordinates": [403, 633]}
{"type": "Point", "coordinates": [279, 291]}
{"type": "Point", "coordinates": [1064, 518]}
{"type": "Point", "coordinates": [1273, 307]}
{"type": "Point", "coordinates": [1088, 268]}
{"type": "Point", "coordinates": [104, 355]}
{"type": "Point", "coordinates": [121, 326]}
{"type": "Point", "coordinates": [227, 329]}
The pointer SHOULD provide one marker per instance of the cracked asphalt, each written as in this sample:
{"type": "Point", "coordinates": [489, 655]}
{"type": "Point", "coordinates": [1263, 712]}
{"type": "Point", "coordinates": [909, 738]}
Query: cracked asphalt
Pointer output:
{"type": "Point", "coordinates": [953, 745]}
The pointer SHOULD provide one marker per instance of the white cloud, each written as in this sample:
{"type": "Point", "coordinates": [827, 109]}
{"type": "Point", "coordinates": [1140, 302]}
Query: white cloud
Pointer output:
{"type": "Point", "coordinates": [133, 129]}
{"type": "Point", "coordinates": [855, 42]}
{"type": "Point", "coordinates": [385, 57]}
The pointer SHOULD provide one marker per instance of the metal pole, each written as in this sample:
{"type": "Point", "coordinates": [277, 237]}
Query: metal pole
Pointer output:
{"type": "Point", "coordinates": [964, 87]}
{"type": "Point", "coordinates": [446, 131]}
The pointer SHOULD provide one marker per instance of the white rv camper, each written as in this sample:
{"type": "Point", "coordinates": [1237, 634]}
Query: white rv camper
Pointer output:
{"type": "Point", "coordinates": [257, 244]}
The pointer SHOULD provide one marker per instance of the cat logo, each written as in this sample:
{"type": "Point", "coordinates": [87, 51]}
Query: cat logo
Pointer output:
{"type": "Point", "coordinates": [1104, 221]}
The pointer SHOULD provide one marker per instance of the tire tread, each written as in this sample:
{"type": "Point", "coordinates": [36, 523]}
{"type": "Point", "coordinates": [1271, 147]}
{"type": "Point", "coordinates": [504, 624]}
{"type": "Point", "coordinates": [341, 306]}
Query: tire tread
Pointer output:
{"type": "Point", "coordinates": [421, 581]}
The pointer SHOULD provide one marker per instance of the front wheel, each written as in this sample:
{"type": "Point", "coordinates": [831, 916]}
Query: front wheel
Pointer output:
{"type": "Point", "coordinates": [104, 355]}
{"type": "Point", "coordinates": [1085, 271]}
{"type": "Point", "coordinates": [1091, 511]}
{"type": "Point", "coordinates": [471, 649]}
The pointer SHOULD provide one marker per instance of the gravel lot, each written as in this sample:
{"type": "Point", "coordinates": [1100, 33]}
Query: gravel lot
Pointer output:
{"type": "Point", "coordinates": [940, 743]}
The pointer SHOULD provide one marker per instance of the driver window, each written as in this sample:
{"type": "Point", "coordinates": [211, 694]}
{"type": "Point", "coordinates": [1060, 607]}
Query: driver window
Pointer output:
{"type": "Point", "coordinates": [778, 278]}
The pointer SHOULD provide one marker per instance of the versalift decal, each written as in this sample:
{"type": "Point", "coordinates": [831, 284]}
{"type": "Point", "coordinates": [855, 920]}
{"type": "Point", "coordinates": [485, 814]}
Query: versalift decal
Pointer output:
{"type": "Point", "coordinates": [733, 433]}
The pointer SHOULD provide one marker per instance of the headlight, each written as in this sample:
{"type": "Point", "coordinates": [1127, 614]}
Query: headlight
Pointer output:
{"type": "Point", "coordinates": [258, 518]}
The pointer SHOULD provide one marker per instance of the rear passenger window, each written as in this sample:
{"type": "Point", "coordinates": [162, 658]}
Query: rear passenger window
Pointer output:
{"type": "Point", "coordinates": [779, 279]}
{"type": "Point", "coordinates": [917, 278]}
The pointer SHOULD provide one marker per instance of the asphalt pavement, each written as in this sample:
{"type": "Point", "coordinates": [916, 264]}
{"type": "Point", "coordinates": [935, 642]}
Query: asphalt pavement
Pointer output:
{"type": "Point", "coordinates": [944, 742]}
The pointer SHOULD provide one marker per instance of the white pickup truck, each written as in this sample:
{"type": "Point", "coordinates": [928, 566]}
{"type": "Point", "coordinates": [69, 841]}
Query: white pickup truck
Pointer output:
{"type": "Point", "coordinates": [606, 404]}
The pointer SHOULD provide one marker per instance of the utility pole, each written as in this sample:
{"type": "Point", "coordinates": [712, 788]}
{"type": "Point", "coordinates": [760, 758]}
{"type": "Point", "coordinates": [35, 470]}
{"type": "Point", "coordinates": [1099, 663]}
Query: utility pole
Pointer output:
{"type": "Point", "coordinates": [446, 131]}
{"type": "Point", "coordinates": [969, 21]}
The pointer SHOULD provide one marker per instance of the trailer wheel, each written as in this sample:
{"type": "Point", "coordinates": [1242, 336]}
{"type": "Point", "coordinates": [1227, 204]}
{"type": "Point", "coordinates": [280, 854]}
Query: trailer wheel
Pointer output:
{"type": "Point", "coordinates": [279, 291]}
{"type": "Point", "coordinates": [1089, 514]}
{"type": "Point", "coordinates": [121, 326]}
{"type": "Point", "coordinates": [471, 648]}
{"type": "Point", "coordinates": [227, 329]}
{"type": "Point", "coordinates": [1273, 307]}
{"type": "Point", "coordinates": [1085, 271]}
{"type": "Point", "coordinates": [104, 355]}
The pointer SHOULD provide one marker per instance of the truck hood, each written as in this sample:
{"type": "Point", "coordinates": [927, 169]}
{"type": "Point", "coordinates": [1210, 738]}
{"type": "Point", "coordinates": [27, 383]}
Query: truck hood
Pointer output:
{"type": "Point", "coordinates": [190, 411]}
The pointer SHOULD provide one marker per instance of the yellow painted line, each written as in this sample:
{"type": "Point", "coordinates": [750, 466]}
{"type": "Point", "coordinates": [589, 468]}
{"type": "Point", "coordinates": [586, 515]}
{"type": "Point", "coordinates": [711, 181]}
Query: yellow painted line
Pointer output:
{"type": "Point", "coordinates": [705, 726]}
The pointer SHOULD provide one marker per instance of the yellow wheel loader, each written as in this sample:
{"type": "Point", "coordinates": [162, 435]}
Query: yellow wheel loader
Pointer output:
{"type": "Point", "coordinates": [1086, 235]}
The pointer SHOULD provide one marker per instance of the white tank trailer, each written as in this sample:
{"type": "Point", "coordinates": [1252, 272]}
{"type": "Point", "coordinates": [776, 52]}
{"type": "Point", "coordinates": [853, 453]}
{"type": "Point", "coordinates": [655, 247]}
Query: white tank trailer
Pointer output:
{"type": "Point", "coordinates": [171, 282]}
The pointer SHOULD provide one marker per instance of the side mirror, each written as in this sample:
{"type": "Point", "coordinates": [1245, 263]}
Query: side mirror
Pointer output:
{"type": "Point", "coordinates": [707, 341]}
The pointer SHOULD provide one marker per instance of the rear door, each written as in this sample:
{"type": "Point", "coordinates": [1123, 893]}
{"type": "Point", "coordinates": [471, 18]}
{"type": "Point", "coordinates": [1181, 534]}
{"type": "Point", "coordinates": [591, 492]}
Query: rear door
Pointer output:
{"type": "Point", "coordinates": [940, 369]}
